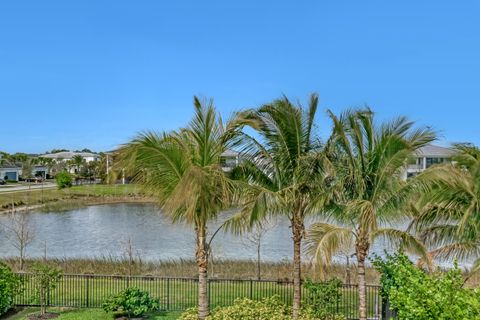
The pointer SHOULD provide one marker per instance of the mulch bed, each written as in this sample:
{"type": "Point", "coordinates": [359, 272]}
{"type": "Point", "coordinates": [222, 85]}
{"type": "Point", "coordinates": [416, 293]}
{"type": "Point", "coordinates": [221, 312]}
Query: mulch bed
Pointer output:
{"type": "Point", "coordinates": [42, 317]}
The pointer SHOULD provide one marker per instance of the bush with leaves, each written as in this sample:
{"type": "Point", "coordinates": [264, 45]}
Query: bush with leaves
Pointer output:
{"type": "Point", "coordinates": [415, 294]}
{"type": "Point", "coordinates": [322, 299]}
{"type": "Point", "coordinates": [271, 308]}
{"type": "Point", "coordinates": [45, 279]}
{"type": "Point", "coordinates": [64, 180]}
{"type": "Point", "coordinates": [132, 302]}
{"type": "Point", "coordinates": [10, 284]}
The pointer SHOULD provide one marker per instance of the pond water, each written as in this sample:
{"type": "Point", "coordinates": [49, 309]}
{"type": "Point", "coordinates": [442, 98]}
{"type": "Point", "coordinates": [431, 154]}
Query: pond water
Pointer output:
{"type": "Point", "coordinates": [104, 231]}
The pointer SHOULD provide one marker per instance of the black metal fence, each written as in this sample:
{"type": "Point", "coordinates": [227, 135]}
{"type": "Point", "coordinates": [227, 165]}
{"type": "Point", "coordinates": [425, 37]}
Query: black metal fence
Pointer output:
{"type": "Point", "coordinates": [176, 294]}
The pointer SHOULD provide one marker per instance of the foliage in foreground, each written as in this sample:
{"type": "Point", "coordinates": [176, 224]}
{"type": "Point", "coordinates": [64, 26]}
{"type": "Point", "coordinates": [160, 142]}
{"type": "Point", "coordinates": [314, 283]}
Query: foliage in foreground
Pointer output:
{"type": "Point", "coordinates": [131, 301]}
{"type": "Point", "coordinates": [322, 299]}
{"type": "Point", "coordinates": [64, 180]}
{"type": "Point", "coordinates": [9, 286]}
{"type": "Point", "coordinates": [271, 308]}
{"type": "Point", "coordinates": [415, 294]}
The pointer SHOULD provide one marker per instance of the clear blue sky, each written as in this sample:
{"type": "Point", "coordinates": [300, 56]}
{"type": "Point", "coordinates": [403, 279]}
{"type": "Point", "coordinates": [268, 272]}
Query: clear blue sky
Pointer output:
{"type": "Point", "coordinates": [77, 74]}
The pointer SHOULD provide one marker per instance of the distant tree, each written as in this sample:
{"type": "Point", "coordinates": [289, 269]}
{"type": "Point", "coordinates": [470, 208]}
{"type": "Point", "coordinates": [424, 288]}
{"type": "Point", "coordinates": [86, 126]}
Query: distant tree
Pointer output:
{"type": "Point", "coordinates": [57, 150]}
{"type": "Point", "coordinates": [28, 166]}
{"type": "Point", "coordinates": [78, 163]}
{"type": "Point", "coordinates": [19, 157]}
{"type": "Point", "coordinates": [57, 166]}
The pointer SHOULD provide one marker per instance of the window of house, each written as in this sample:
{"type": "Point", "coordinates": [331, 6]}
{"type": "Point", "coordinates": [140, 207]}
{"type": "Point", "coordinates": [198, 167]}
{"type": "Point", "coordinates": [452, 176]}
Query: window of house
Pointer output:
{"type": "Point", "coordinates": [433, 161]}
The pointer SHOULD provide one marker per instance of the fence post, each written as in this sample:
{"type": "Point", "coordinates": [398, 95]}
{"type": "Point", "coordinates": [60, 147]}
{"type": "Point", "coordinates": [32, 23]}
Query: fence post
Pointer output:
{"type": "Point", "coordinates": [87, 291]}
{"type": "Point", "coordinates": [251, 289]}
{"type": "Point", "coordinates": [208, 291]}
{"type": "Point", "coordinates": [168, 294]}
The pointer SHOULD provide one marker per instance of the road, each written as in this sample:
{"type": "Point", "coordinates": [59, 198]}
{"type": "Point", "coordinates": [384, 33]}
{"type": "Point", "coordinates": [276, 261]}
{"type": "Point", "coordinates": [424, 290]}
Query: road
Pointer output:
{"type": "Point", "coordinates": [9, 188]}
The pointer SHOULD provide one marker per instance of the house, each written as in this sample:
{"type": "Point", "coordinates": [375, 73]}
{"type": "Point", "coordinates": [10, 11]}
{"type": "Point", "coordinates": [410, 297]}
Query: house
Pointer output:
{"type": "Point", "coordinates": [68, 155]}
{"type": "Point", "coordinates": [9, 171]}
{"type": "Point", "coordinates": [426, 157]}
{"type": "Point", "coordinates": [229, 160]}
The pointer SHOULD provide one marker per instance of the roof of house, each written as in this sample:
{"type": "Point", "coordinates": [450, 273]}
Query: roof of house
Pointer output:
{"type": "Point", "coordinates": [9, 165]}
{"type": "Point", "coordinates": [68, 155]}
{"type": "Point", "coordinates": [434, 151]}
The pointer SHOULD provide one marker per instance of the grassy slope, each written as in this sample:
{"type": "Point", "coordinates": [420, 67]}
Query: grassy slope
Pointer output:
{"type": "Point", "coordinates": [88, 193]}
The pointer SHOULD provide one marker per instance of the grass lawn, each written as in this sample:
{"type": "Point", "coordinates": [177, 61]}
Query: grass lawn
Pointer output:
{"type": "Point", "coordinates": [86, 314]}
{"type": "Point", "coordinates": [52, 195]}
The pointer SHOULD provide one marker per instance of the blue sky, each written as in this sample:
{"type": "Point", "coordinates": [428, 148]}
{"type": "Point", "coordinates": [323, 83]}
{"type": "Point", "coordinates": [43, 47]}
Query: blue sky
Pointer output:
{"type": "Point", "coordinates": [77, 74]}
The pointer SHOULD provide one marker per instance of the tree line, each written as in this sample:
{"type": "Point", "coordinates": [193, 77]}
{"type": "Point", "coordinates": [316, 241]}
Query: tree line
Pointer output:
{"type": "Point", "coordinates": [352, 181]}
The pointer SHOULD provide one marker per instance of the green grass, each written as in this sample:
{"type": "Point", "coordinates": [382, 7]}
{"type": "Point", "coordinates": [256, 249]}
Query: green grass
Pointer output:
{"type": "Point", "coordinates": [87, 314]}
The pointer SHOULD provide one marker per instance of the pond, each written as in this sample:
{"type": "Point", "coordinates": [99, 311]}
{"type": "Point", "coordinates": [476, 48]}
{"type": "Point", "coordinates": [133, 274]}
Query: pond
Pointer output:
{"type": "Point", "coordinates": [104, 231]}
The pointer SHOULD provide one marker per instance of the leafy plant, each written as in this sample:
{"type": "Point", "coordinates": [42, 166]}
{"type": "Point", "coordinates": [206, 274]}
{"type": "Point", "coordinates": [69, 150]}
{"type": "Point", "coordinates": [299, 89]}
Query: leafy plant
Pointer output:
{"type": "Point", "coordinates": [415, 294]}
{"type": "Point", "coordinates": [323, 299]}
{"type": "Point", "coordinates": [64, 180]}
{"type": "Point", "coordinates": [271, 308]}
{"type": "Point", "coordinates": [131, 301]}
{"type": "Point", "coordinates": [46, 279]}
{"type": "Point", "coordinates": [10, 284]}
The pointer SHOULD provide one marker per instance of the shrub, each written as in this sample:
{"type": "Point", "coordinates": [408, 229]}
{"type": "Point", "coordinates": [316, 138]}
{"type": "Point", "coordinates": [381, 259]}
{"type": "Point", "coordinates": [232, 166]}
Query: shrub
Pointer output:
{"type": "Point", "coordinates": [266, 309]}
{"type": "Point", "coordinates": [10, 284]}
{"type": "Point", "coordinates": [414, 294]}
{"type": "Point", "coordinates": [131, 301]}
{"type": "Point", "coordinates": [46, 279]}
{"type": "Point", "coordinates": [64, 180]}
{"type": "Point", "coordinates": [323, 299]}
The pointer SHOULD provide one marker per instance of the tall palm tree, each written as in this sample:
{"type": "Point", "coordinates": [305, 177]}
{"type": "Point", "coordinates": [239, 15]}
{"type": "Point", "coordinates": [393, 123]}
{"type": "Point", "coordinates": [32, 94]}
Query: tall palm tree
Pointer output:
{"type": "Point", "coordinates": [78, 162]}
{"type": "Point", "coordinates": [449, 219]}
{"type": "Point", "coordinates": [286, 169]}
{"type": "Point", "coordinates": [183, 171]}
{"type": "Point", "coordinates": [371, 163]}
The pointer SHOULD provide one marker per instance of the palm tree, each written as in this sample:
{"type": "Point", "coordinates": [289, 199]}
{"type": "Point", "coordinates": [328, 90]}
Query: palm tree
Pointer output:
{"type": "Point", "coordinates": [78, 162]}
{"type": "Point", "coordinates": [372, 159]}
{"type": "Point", "coordinates": [286, 170]}
{"type": "Point", "coordinates": [183, 171]}
{"type": "Point", "coordinates": [449, 221]}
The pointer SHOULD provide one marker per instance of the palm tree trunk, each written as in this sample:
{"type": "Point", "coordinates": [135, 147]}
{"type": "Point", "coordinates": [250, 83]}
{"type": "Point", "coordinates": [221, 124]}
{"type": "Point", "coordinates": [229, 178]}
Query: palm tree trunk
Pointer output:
{"type": "Point", "coordinates": [297, 229]}
{"type": "Point", "coordinates": [361, 250]}
{"type": "Point", "coordinates": [202, 262]}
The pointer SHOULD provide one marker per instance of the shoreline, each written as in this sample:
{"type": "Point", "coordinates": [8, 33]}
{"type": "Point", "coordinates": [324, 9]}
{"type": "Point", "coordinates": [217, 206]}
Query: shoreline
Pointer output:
{"type": "Point", "coordinates": [71, 198]}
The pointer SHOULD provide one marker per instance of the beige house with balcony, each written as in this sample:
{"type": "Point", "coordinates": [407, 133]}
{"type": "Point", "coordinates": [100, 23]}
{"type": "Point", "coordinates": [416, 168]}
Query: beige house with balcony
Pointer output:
{"type": "Point", "coordinates": [426, 157]}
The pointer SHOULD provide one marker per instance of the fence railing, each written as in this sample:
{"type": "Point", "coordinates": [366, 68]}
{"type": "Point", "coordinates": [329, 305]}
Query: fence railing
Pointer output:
{"type": "Point", "coordinates": [177, 294]}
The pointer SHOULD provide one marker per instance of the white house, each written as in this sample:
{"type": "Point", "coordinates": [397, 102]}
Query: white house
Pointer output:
{"type": "Point", "coordinates": [426, 157]}
{"type": "Point", "coordinates": [229, 160]}
{"type": "Point", "coordinates": [68, 155]}
{"type": "Point", "coordinates": [10, 171]}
